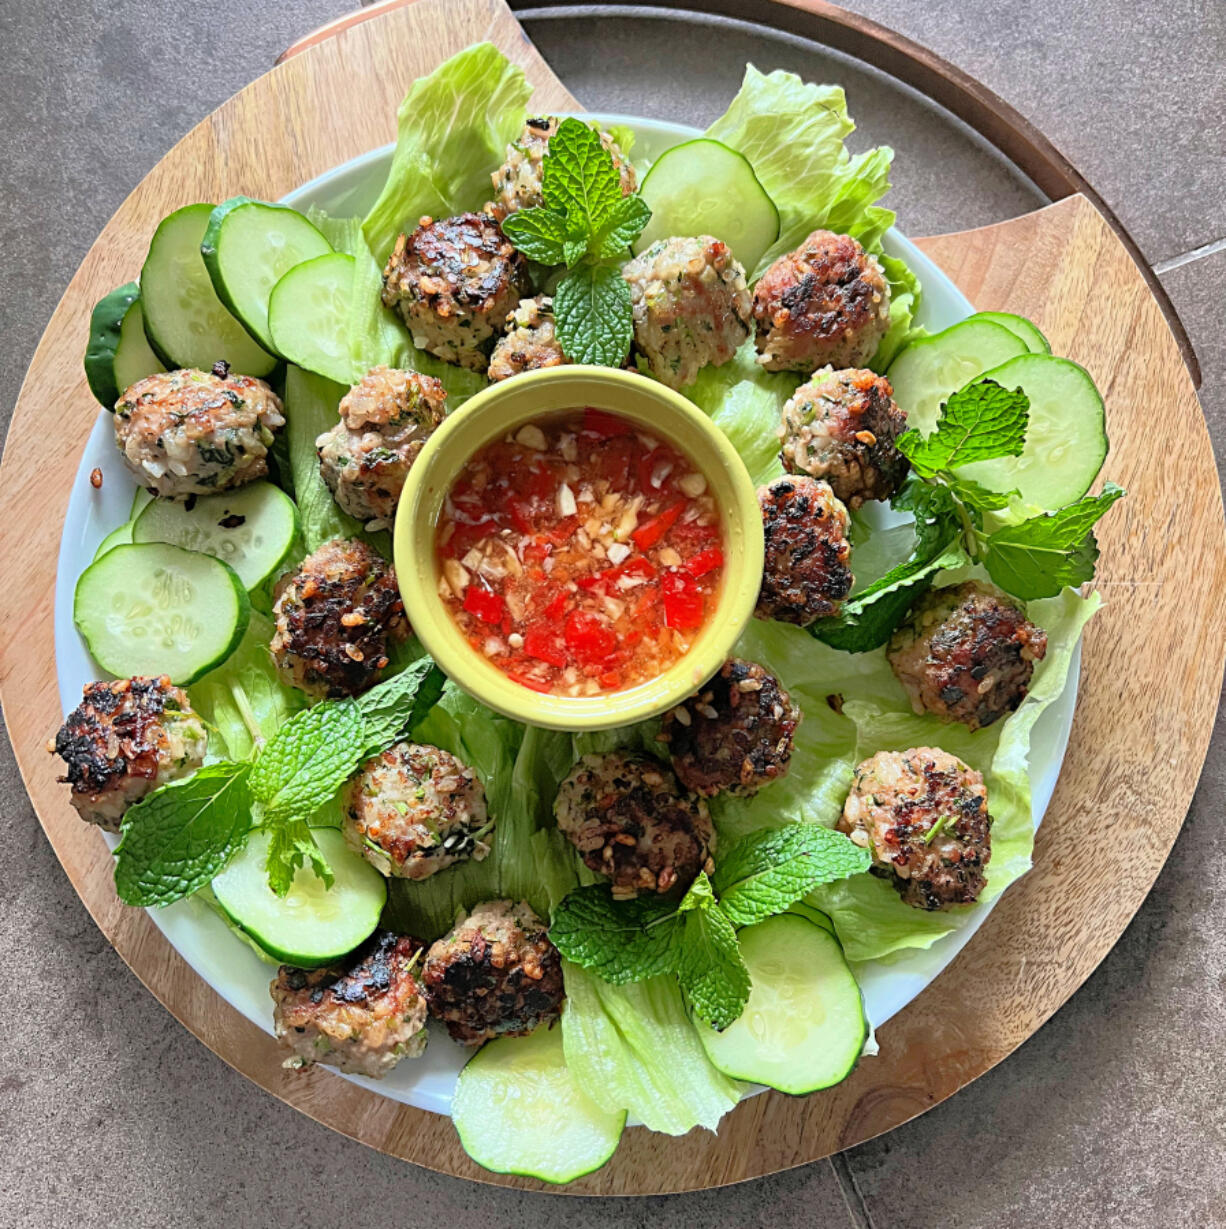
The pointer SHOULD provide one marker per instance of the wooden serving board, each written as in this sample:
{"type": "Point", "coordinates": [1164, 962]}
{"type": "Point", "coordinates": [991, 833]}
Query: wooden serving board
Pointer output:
{"type": "Point", "coordinates": [1149, 688]}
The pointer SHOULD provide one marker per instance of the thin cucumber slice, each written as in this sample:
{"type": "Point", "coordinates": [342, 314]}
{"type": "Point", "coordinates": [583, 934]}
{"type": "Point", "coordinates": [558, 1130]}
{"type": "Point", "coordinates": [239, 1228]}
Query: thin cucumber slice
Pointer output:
{"type": "Point", "coordinates": [117, 537]}
{"type": "Point", "coordinates": [803, 1027]}
{"type": "Point", "coordinates": [1036, 343]}
{"type": "Point", "coordinates": [816, 916]}
{"type": "Point", "coordinates": [1066, 438]}
{"type": "Point", "coordinates": [118, 353]}
{"type": "Point", "coordinates": [140, 501]}
{"type": "Point", "coordinates": [518, 1110]}
{"type": "Point", "coordinates": [308, 312]}
{"type": "Point", "coordinates": [704, 188]}
{"type": "Point", "coordinates": [929, 369]}
{"type": "Point", "coordinates": [252, 528]}
{"type": "Point", "coordinates": [186, 323]}
{"type": "Point", "coordinates": [154, 609]}
{"type": "Point", "coordinates": [313, 924]}
{"type": "Point", "coordinates": [248, 247]}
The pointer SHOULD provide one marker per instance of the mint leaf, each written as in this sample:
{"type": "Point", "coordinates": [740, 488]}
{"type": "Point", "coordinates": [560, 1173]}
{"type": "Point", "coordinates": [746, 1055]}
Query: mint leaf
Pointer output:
{"type": "Point", "coordinates": [395, 707]}
{"type": "Point", "coordinates": [621, 228]}
{"type": "Point", "coordinates": [290, 844]}
{"type": "Point", "coordinates": [540, 233]}
{"type": "Point", "coordinates": [620, 941]}
{"type": "Point", "coordinates": [977, 499]}
{"type": "Point", "coordinates": [578, 176]}
{"type": "Point", "coordinates": [977, 423]}
{"type": "Point", "coordinates": [591, 307]}
{"type": "Point", "coordinates": [180, 836]}
{"type": "Point", "coordinates": [936, 517]}
{"type": "Point", "coordinates": [709, 965]}
{"type": "Point", "coordinates": [1038, 557]}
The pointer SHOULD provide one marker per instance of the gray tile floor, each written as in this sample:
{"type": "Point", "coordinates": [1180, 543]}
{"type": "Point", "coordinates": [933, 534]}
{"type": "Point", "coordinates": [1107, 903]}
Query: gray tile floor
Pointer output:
{"type": "Point", "coordinates": [1112, 1115]}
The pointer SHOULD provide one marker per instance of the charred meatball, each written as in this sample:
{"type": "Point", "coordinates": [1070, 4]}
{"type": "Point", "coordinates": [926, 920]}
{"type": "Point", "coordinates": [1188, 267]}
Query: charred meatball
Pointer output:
{"type": "Point", "coordinates": [966, 654]}
{"type": "Point", "coordinates": [125, 739]}
{"type": "Point", "coordinates": [923, 815]}
{"type": "Point", "coordinates": [496, 974]}
{"type": "Point", "coordinates": [184, 433]}
{"type": "Point", "coordinates": [691, 306]}
{"type": "Point", "coordinates": [455, 282]}
{"type": "Point", "coordinates": [362, 1018]}
{"type": "Point", "coordinates": [385, 421]}
{"type": "Point", "coordinates": [735, 735]}
{"type": "Point", "coordinates": [632, 822]}
{"type": "Point", "coordinates": [414, 810]}
{"type": "Point", "coordinates": [826, 302]}
{"type": "Point", "coordinates": [805, 574]}
{"type": "Point", "coordinates": [335, 617]}
{"type": "Point", "coordinates": [841, 427]}
{"type": "Point", "coordinates": [531, 342]}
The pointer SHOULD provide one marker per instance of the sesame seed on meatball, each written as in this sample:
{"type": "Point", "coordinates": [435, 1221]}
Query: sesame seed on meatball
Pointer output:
{"type": "Point", "coordinates": [966, 653]}
{"type": "Point", "coordinates": [496, 974]}
{"type": "Point", "coordinates": [805, 574]}
{"type": "Point", "coordinates": [455, 281]}
{"type": "Point", "coordinates": [531, 341]}
{"type": "Point", "coordinates": [632, 822]}
{"type": "Point", "coordinates": [335, 617]}
{"type": "Point", "coordinates": [361, 1018]}
{"type": "Point", "coordinates": [923, 815]}
{"type": "Point", "coordinates": [123, 740]}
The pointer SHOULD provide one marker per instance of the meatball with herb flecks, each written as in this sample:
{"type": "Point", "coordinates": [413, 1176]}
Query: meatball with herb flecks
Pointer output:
{"type": "Point", "coordinates": [531, 341]}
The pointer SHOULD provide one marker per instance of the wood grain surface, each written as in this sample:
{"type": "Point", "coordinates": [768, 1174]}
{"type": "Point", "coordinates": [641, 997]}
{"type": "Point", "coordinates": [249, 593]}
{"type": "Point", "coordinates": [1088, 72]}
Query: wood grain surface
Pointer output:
{"type": "Point", "coordinates": [1152, 664]}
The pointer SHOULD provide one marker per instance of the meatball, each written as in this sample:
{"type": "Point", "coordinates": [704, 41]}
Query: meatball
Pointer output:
{"type": "Point", "coordinates": [517, 182]}
{"type": "Point", "coordinates": [455, 282]}
{"type": "Point", "coordinates": [632, 822]}
{"type": "Point", "coordinates": [691, 306]}
{"type": "Point", "coordinates": [531, 342]}
{"type": "Point", "coordinates": [334, 619]}
{"type": "Point", "coordinates": [826, 302]}
{"type": "Point", "coordinates": [184, 433]}
{"type": "Point", "coordinates": [495, 974]}
{"type": "Point", "coordinates": [125, 739]}
{"type": "Point", "coordinates": [805, 574]}
{"type": "Point", "coordinates": [362, 1018]}
{"type": "Point", "coordinates": [841, 427]}
{"type": "Point", "coordinates": [966, 654]}
{"type": "Point", "coordinates": [385, 421]}
{"type": "Point", "coordinates": [414, 810]}
{"type": "Point", "coordinates": [735, 735]}
{"type": "Point", "coordinates": [923, 815]}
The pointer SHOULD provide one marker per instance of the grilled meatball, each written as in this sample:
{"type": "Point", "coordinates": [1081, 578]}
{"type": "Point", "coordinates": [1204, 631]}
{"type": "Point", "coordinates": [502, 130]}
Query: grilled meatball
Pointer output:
{"type": "Point", "coordinates": [334, 619]}
{"type": "Point", "coordinates": [362, 1018]}
{"type": "Point", "coordinates": [735, 735]}
{"type": "Point", "coordinates": [184, 433]}
{"type": "Point", "coordinates": [966, 654]}
{"type": "Point", "coordinates": [531, 342]}
{"type": "Point", "coordinates": [125, 739]}
{"type": "Point", "coordinates": [385, 421]}
{"type": "Point", "coordinates": [898, 801]}
{"type": "Point", "coordinates": [414, 810]}
{"type": "Point", "coordinates": [496, 974]}
{"type": "Point", "coordinates": [454, 282]}
{"type": "Point", "coordinates": [805, 574]}
{"type": "Point", "coordinates": [841, 426]}
{"type": "Point", "coordinates": [517, 183]}
{"type": "Point", "coordinates": [691, 306]}
{"type": "Point", "coordinates": [632, 822]}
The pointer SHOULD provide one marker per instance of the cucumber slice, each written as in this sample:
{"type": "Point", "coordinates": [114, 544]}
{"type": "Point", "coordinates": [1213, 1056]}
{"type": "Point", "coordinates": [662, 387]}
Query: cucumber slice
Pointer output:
{"type": "Point", "coordinates": [704, 188]}
{"type": "Point", "coordinates": [308, 313]}
{"type": "Point", "coordinates": [154, 609]}
{"type": "Point", "coordinates": [117, 537]}
{"type": "Point", "coordinates": [816, 916]}
{"type": "Point", "coordinates": [1066, 439]}
{"type": "Point", "coordinates": [1036, 343]}
{"type": "Point", "coordinates": [519, 1110]}
{"type": "Point", "coordinates": [140, 501]}
{"type": "Point", "coordinates": [185, 321]}
{"type": "Point", "coordinates": [313, 924]}
{"type": "Point", "coordinates": [248, 247]}
{"type": "Point", "coordinates": [931, 368]}
{"type": "Point", "coordinates": [251, 529]}
{"type": "Point", "coordinates": [803, 1027]}
{"type": "Point", "coordinates": [118, 353]}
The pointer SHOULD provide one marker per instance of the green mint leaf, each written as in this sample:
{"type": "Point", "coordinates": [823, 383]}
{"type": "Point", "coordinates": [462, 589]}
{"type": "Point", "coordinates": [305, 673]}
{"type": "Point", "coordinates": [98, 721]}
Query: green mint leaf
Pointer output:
{"type": "Point", "coordinates": [180, 836]}
{"type": "Point", "coordinates": [621, 228]}
{"type": "Point", "coordinates": [591, 307]}
{"type": "Point", "coordinates": [977, 499]}
{"type": "Point", "coordinates": [540, 233]}
{"type": "Point", "coordinates": [290, 845]}
{"type": "Point", "coordinates": [395, 707]}
{"type": "Point", "coordinates": [1038, 557]}
{"type": "Point", "coordinates": [620, 941]}
{"type": "Point", "coordinates": [769, 870]}
{"type": "Point", "coordinates": [977, 423]}
{"type": "Point", "coordinates": [936, 517]}
{"type": "Point", "coordinates": [709, 966]}
{"type": "Point", "coordinates": [578, 177]}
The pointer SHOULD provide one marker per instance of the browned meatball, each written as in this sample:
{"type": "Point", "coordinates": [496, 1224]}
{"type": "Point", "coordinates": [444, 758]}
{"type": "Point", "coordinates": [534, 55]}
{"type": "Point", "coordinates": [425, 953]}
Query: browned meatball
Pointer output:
{"type": "Point", "coordinates": [735, 735]}
{"type": "Point", "coordinates": [335, 617]}
{"type": "Point", "coordinates": [531, 341]}
{"type": "Point", "coordinates": [966, 654]}
{"type": "Point", "coordinates": [923, 815]}
{"type": "Point", "coordinates": [805, 574]}
{"type": "Point", "coordinates": [496, 974]}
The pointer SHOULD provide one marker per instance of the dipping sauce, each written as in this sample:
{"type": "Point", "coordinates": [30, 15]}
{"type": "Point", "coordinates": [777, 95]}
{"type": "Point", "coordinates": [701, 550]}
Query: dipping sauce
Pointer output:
{"type": "Point", "coordinates": [580, 554]}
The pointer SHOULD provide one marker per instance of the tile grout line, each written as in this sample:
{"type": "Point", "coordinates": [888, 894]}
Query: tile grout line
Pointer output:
{"type": "Point", "coordinates": [856, 1207]}
{"type": "Point", "coordinates": [1186, 258]}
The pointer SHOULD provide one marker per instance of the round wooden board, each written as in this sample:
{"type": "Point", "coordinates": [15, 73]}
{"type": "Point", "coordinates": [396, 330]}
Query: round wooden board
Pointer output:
{"type": "Point", "coordinates": [1150, 682]}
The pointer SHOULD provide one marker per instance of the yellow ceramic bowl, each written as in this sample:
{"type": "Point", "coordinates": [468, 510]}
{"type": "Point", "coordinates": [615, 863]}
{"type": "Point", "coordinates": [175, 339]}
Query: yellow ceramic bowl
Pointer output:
{"type": "Point", "coordinates": [505, 407]}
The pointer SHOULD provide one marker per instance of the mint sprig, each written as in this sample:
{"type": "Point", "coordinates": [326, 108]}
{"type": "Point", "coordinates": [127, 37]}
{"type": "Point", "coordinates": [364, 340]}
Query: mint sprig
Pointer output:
{"type": "Point", "coordinates": [978, 423]}
{"type": "Point", "coordinates": [710, 969]}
